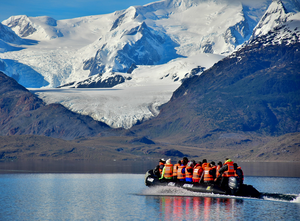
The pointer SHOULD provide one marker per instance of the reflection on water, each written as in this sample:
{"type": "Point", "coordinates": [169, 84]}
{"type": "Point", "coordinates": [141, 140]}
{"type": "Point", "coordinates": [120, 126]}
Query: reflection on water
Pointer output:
{"type": "Point", "coordinates": [196, 208]}
{"type": "Point", "coordinates": [279, 169]}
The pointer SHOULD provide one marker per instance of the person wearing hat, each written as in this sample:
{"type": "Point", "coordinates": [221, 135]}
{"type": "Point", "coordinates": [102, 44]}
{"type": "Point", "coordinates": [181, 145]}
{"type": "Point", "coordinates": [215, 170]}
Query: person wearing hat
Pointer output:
{"type": "Point", "coordinates": [159, 168]}
{"type": "Point", "coordinates": [226, 171]}
{"type": "Point", "coordinates": [167, 172]}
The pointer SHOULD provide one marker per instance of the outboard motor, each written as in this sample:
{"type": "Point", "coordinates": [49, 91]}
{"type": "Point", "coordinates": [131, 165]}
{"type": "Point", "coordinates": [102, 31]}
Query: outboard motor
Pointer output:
{"type": "Point", "coordinates": [149, 177]}
{"type": "Point", "coordinates": [233, 185]}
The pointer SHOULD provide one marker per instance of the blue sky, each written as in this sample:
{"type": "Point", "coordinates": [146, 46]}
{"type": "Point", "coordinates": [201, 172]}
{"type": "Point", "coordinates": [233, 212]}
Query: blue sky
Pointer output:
{"type": "Point", "coordinates": [63, 9]}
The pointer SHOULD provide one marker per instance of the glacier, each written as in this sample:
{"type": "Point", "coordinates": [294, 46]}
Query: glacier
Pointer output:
{"type": "Point", "coordinates": [145, 52]}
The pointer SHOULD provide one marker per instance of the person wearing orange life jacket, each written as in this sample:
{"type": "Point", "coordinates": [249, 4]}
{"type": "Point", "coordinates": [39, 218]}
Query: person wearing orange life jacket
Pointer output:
{"type": "Point", "coordinates": [175, 169]}
{"type": "Point", "coordinates": [204, 163]}
{"type": "Point", "coordinates": [197, 172]}
{"type": "Point", "coordinates": [167, 172]}
{"type": "Point", "coordinates": [208, 176]}
{"type": "Point", "coordinates": [189, 172]}
{"type": "Point", "coordinates": [181, 170]}
{"type": "Point", "coordinates": [226, 171]}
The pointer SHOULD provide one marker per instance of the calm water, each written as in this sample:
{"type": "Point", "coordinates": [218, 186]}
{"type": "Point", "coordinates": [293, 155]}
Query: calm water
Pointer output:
{"type": "Point", "coordinates": [59, 196]}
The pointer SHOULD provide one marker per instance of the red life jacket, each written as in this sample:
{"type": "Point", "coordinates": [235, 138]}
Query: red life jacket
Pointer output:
{"type": "Point", "coordinates": [168, 171]}
{"type": "Point", "coordinates": [180, 175]}
{"type": "Point", "coordinates": [175, 168]}
{"type": "Point", "coordinates": [230, 172]}
{"type": "Point", "coordinates": [188, 174]}
{"type": "Point", "coordinates": [197, 173]}
{"type": "Point", "coordinates": [207, 176]}
{"type": "Point", "coordinates": [204, 165]}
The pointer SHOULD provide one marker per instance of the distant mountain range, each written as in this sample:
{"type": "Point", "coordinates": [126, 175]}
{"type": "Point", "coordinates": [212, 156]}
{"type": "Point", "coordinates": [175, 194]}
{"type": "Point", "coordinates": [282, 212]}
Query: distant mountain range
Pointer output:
{"type": "Point", "coordinates": [242, 102]}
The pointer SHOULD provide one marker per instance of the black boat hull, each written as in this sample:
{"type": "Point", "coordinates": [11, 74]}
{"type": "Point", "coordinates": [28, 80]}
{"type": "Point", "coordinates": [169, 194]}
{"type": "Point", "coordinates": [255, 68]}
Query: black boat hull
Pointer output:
{"type": "Point", "coordinates": [244, 190]}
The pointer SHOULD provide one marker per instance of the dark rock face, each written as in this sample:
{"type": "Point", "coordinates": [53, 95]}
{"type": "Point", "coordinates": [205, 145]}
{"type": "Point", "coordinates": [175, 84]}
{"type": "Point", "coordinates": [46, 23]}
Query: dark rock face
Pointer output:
{"type": "Point", "coordinates": [21, 112]}
{"type": "Point", "coordinates": [105, 83]}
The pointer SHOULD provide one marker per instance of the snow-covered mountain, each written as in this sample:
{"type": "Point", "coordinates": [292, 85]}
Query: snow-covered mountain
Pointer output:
{"type": "Point", "coordinates": [75, 49]}
{"type": "Point", "coordinates": [154, 45]}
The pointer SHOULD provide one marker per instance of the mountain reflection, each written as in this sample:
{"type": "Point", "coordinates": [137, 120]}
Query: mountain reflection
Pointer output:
{"type": "Point", "coordinates": [198, 208]}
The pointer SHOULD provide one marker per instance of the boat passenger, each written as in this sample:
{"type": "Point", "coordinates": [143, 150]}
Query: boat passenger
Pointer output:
{"type": "Point", "coordinates": [204, 163]}
{"type": "Point", "coordinates": [217, 180]}
{"type": "Point", "coordinates": [181, 171]}
{"type": "Point", "coordinates": [189, 172]}
{"type": "Point", "coordinates": [167, 172]}
{"type": "Point", "coordinates": [208, 177]}
{"type": "Point", "coordinates": [194, 162]}
{"type": "Point", "coordinates": [226, 171]}
{"type": "Point", "coordinates": [197, 172]}
{"type": "Point", "coordinates": [185, 159]}
{"type": "Point", "coordinates": [239, 173]}
{"type": "Point", "coordinates": [175, 169]}
{"type": "Point", "coordinates": [214, 168]}
{"type": "Point", "coordinates": [158, 169]}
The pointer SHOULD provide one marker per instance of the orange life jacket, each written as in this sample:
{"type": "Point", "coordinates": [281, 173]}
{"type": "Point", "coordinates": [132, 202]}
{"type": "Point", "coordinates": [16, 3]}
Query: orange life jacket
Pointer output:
{"type": "Point", "coordinates": [197, 173]}
{"type": "Point", "coordinates": [230, 172]}
{"type": "Point", "coordinates": [204, 165]}
{"type": "Point", "coordinates": [168, 171]}
{"type": "Point", "coordinates": [188, 174]}
{"type": "Point", "coordinates": [207, 176]}
{"type": "Point", "coordinates": [160, 167]}
{"type": "Point", "coordinates": [217, 171]}
{"type": "Point", "coordinates": [180, 175]}
{"type": "Point", "coordinates": [175, 168]}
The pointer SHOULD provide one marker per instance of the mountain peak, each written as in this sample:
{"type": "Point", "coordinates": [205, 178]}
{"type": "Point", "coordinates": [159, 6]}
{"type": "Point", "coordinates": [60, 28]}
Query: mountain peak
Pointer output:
{"type": "Point", "coordinates": [275, 15]}
{"type": "Point", "coordinates": [40, 28]}
{"type": "Point", "coordinates": [20, 24]}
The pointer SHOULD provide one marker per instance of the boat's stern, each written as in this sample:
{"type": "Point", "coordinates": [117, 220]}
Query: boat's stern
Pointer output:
{"type": "Point", "coordinates": [149, 178]}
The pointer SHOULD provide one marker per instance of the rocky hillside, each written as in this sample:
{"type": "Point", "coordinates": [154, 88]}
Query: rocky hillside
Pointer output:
{"type": "Point", "coordinates": [21, 112]}
{"type": "Point", "coordinates": [255, 91]}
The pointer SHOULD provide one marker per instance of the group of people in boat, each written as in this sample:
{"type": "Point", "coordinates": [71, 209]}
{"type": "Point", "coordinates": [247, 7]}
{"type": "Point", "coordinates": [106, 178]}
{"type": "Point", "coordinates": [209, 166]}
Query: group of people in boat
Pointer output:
{"type": "Point", "coordinates": [200, 172]}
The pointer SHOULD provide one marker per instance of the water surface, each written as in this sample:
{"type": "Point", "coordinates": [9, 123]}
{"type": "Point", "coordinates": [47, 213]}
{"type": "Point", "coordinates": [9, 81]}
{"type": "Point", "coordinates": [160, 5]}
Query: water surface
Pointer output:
{"type": "Point", "coordinates": [59, 196]}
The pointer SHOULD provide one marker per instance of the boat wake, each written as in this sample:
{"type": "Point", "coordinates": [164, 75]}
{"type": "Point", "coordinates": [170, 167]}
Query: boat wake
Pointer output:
{"type": "Point", "coordinates": [176, 191]}
{"type": "Point", "coordinates": [293, 198]}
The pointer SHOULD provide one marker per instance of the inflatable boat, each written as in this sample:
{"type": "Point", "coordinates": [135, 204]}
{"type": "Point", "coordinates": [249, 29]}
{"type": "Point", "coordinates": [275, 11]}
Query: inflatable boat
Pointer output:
{"type": "Point", "coordinates": [233, 187]}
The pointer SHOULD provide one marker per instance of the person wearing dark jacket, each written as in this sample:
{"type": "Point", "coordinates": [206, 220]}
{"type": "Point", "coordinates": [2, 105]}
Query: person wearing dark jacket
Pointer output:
{"type": "Point", "coordinates": [159, 168]}
{"type": "Point", "coordinates": [239, 172]}
{"type": "Point", "coordinates": [214, 168]}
